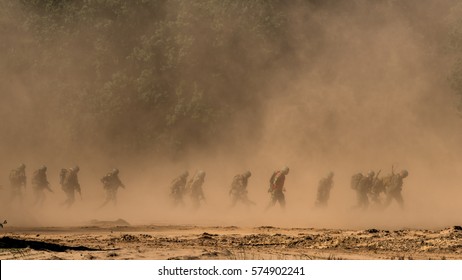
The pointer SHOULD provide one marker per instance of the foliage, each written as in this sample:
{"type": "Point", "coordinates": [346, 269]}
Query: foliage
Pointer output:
{"type": "Point", "coordinates": [154, 75]}
{"type": "Point", "coordinates": [144, 75]}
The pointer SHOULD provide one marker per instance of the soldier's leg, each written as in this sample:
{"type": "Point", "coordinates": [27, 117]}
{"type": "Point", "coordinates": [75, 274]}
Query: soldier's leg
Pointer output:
{"type": "Point", "coordinates": [388, 200]}
{"type": "Point", "coordinates": [114, 196]}
{"type": "Point", "coordinates": [366, 201]}
{"type": "Point", "coordinates": [399, 199]}
{"type": "Point", "coordinates": [359, 198]}
{"type": "Point", "coordinates": [272, 201]}
{"type": "Point", "coordinates": [36, 196]}
{"type": "Point", "coordinates": [108, 198]}
{"type": "Point", "coordinates": [39, 197]}
{"type": "Point", "coordinates": [282, 200]}
{"type": "Point", "coordinates": [70, 198]}
{"type": "Point", "coordinates": [363, 200]}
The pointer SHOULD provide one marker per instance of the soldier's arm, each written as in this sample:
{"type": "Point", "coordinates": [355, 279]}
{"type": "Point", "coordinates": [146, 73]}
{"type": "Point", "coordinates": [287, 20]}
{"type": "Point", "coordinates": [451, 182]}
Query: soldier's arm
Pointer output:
{"type": "Point", "coordinates": [271, 181]}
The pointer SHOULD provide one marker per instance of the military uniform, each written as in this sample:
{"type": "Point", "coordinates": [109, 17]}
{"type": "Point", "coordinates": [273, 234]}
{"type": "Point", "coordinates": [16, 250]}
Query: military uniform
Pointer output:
{"type": "Point", "coordinates": [324, 187]}
{"type": "Point", "coordinates": [17, 181]}
{"type": "Point", "coordinates": [394, 187]}
{"type": "Point", "coordinates": [178, 189]}
{"type": "Point", "coordinates": [238, 191]}
{"type": "Point", "coordinates": [39, 184]}
{"type": "Point", "coordinates": [70, 184]}
{"type": "Point", "coordinates": [377, 188]}
{"type": "Point", "coordinates": [276, 188]}
{"type": "Point", "coordinates": [362, 185]}
{"type": "Point", "coordinates": [195, 186]}
{"type": "Point", "coordinates": [111, 183]}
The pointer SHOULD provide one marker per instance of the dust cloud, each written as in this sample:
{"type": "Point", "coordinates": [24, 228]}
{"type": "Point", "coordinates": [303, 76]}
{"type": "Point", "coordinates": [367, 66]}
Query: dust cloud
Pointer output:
{"type": "Point", "coordinates": [364, 88]}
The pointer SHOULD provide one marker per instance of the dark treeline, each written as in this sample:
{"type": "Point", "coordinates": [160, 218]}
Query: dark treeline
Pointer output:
{"type": "Point", "coordinates": [151, 76]}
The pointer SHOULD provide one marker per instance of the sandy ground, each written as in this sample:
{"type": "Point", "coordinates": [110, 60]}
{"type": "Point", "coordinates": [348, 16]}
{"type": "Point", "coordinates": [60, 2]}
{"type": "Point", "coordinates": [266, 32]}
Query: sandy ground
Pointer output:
{"type": "Point", "coordinates": [119, 240]}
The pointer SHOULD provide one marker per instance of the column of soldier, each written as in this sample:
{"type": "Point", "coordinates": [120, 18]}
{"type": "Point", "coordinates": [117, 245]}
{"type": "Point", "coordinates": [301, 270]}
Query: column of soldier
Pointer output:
{"type": "Point", "coordinates": [68, 179]}
{"type": "Point", "coordinates": [368, 187]}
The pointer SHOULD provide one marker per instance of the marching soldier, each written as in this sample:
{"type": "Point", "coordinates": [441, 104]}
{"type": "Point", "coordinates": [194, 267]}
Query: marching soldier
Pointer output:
{"type": "Point", "coordinates": [394, 187]}
{"type": "Point", "coordinates": [39, 184]}
{"type": "Point", "coordinates": [324, 187]}
{"type": "Point", "coordinates": [70, 184]}
{"type": "Point", "coordinates": [276, 187]}
{"type": "Point", "coordinates": [17, 182]}
{"type": "Point", "coordinates": [362, 185]}
{"type": "Point", "coordinates": [111, 183]}
{"type": "Point", "coordinates": [238, 191]}
{"type": "Point", "coordinates": [178, 189]}
{"type": "Point", "coordinates": [195, 186]}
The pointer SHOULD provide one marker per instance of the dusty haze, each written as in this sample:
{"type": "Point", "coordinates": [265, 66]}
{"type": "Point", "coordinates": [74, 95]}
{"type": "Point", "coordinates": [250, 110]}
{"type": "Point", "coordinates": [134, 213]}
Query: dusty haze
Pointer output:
{"type": "Point", "coordinates": [364, 86]}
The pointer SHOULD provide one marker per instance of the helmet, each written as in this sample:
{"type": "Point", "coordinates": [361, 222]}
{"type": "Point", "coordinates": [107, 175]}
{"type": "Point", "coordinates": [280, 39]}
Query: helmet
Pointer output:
{"type": "Point", "coordinates": [22, 166]}
{"type": "Point", "coordinates": [247, 174]}
{"type": "Point", "coordinates": [115, 171]}
{"type": "Point", "coordinates": [43, 168]}
{"type": "Point", "coordinates": [371, 174]}
{"type": "Point", "coordinates": [404, 173]}
{"type": "Point", "coordinates": [285, 170]}
{"type": "Point", "coordinates": [76, 169]}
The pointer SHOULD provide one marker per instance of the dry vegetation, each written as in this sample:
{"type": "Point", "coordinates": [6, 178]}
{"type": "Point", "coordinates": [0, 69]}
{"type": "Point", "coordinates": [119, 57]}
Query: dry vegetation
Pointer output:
{"type": "Point", "coordinates": [201, 243]}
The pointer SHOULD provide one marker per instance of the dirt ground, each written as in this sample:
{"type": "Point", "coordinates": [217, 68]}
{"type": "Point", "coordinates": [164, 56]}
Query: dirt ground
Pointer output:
{"type": "Point", "coordinates": [106, 240]}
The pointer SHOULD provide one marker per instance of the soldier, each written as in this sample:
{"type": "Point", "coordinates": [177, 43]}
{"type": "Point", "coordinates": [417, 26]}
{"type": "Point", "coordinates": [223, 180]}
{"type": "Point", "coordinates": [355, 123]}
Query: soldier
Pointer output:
{"type": "Point", "coordinates": [178, 189]}
{"type": "Point", "coordinates": [324, 187]}
{"type": "Point", "coordinates": [377, 188]}
{"type": "Point", "coordinates": [394, 187]}
{"type": "Point", "coordinates": [195, 186]}
{"type": "Point", "coordinates": [362, 185]}
{"type": "Point", "coordinates": [17, 181]}
{"type": "Point", "coordinates": [39, 184]}
{"type": "Point", "coordinates": [70, 183]}
{"type": "Point", "coordinates": [238, 191]}
{"type": "Point", "coordinates": [111, 183]}
{"type": "Point", "coordinates": [276, 187]}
